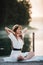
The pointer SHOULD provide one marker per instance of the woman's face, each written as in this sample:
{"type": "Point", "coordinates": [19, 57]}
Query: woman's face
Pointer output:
{"type": "Point", "coordinates": [18, 31]}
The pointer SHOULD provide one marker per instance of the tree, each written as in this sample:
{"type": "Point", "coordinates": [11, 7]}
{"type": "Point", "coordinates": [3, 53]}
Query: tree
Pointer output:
{"type": "Point", "coordinates": [16, 12]}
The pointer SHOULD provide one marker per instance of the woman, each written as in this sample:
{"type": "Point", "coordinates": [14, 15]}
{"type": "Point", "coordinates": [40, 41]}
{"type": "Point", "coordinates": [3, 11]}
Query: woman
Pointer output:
{"type": "Point", "coordinates": [17, 43]}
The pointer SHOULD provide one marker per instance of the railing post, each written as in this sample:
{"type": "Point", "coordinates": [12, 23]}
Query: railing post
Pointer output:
{"type": "Point", "coordinates": [33, 41]}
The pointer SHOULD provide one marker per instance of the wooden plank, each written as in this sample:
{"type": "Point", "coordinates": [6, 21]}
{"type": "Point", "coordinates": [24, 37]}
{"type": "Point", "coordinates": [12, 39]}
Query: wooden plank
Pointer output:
{"type": "Point", "coordinates": [21, 63]}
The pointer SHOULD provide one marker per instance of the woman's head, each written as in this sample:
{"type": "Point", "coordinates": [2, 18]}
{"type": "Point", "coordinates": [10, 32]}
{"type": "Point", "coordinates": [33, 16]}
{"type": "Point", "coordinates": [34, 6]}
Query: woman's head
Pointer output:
{"type": "Point", "coordinates": [17, 28]}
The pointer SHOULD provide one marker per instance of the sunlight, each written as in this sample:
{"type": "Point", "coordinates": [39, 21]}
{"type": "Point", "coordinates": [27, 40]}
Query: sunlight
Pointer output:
{"type": "Point", "coordinates": [37, 8]}
{"type": "Point", "coordinates": [38, 36]}
{"type": "Point", "coordinates": [37, 22]}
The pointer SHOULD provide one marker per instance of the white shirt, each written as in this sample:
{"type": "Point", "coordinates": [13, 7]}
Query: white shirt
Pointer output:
{"type": "Point", "coordinates": [16, 43]}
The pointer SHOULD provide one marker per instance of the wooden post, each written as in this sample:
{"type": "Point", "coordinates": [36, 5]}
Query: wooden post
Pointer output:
{"type": "Point", "coordinates": [33, 41]}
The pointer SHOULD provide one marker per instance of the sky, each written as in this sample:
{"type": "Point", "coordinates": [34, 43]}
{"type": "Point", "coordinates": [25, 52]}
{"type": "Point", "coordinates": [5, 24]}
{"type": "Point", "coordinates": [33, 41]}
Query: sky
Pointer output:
{"type": "Point", "coordinates": [37, 8]}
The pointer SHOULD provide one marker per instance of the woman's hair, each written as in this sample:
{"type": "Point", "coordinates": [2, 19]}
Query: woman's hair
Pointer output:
{"type": "Point", "coordinates": [15, 27]}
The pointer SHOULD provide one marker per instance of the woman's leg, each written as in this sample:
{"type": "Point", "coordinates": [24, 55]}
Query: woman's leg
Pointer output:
{"type": "Point", "coordinates": [30, 55]}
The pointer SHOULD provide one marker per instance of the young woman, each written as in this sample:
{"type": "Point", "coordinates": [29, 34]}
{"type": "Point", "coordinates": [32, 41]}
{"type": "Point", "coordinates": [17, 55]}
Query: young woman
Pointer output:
{"type": "Point", "coordinates": [17, 43]}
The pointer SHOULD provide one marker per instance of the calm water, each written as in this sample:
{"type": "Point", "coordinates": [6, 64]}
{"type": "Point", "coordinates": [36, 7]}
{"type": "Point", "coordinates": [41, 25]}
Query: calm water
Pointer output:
{"type": "Point", "coordinates": [38, 23]}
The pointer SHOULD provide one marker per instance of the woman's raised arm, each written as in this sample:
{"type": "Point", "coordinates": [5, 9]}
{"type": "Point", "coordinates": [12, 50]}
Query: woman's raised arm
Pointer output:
{"type": "Point", "coordinates": [24, 31]}
{"type": "Point", "coordinates": [8, 30]}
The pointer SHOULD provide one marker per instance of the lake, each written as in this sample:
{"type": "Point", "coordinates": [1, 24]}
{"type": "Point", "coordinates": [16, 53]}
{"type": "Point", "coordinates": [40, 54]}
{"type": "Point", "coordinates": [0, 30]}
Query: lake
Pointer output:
{"type": "Point", "coordinates": [38, 23]}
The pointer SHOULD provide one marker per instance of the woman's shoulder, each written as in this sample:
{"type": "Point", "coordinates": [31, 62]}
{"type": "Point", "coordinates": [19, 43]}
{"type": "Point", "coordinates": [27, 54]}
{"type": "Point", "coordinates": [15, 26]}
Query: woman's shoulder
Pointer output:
{"type": "Point", "coordinates": [11, 35]}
